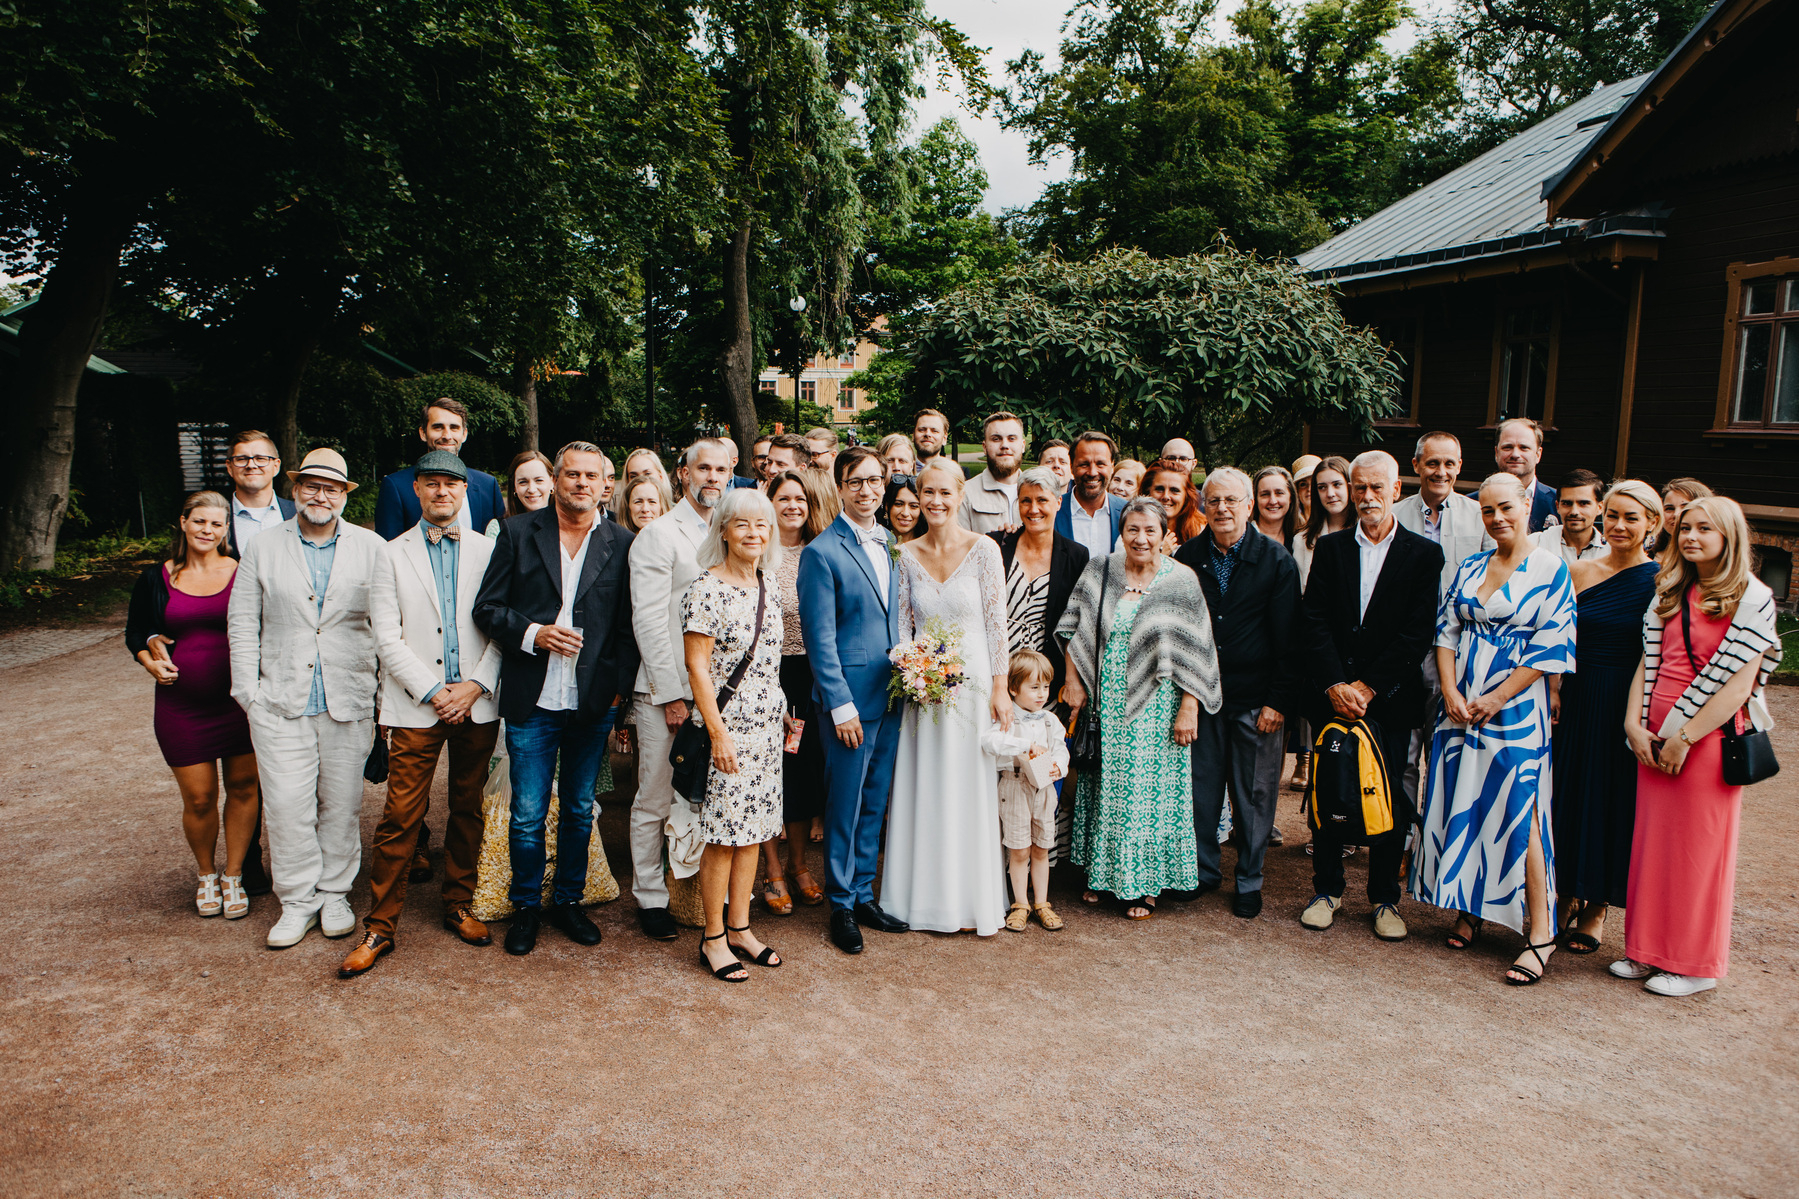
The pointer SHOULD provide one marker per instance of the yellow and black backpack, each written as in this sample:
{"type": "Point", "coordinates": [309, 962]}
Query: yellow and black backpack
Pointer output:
{"type": "Point", "coordinates": [1348, 796]}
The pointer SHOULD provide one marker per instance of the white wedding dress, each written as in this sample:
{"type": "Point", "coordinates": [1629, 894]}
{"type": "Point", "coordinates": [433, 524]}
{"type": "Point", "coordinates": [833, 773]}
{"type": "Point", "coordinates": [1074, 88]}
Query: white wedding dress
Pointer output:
{"type": "Point", "coordinates": [943, 870]}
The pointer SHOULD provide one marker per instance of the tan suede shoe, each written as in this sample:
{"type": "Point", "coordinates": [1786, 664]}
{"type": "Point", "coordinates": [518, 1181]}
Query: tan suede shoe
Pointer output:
{"type": "Point", "coordinates": [1387, 924]}
{"type": "Point", "coordinates": [1320, 912]}
{"type": "Point", "coordinates": [362, 959]}
{"type": "Point", "coordinates": [462, 922]}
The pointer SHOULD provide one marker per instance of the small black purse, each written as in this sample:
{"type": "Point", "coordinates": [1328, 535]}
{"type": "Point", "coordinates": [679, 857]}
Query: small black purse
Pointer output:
{"type": "Point", "coordinates": [1083, 744]}
{"type": "Point", "coordinates": [691, 753]}
{"type": "Point", "coordinates": [1748, 755]}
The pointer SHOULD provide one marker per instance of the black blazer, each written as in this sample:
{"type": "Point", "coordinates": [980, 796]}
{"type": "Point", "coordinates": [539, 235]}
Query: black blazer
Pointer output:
{"type": "Point", "coordinates": [1256, 625]}
{"type": "Point", "coordinates": [1066, 561]}
{"type": "Point", "coordinates": [149, 605]}
{"type": "Point", "coordinates": [286, 508]}
{"type": "Point", "coordinates": [1386, 649]}
{"type": "Point", "coordinates": [523, 587]}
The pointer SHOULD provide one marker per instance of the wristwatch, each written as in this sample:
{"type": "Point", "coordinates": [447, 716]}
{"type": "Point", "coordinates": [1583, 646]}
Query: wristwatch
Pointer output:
{"type": "Point", "coordinates": [1684, 737]}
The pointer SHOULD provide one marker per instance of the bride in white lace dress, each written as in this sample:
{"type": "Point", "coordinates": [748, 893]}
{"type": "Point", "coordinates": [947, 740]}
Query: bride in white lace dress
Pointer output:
{"type": "Point", "coordinates": [944, 869]}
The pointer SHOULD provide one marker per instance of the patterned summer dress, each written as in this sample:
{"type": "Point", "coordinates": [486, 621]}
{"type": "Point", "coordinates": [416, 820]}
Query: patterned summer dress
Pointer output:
{"type": "Point", "coordinates": [1133, 826]}
{"type": "Point", "coordinates": [742, 808]}
{"type": "Point", "coordinates": [1488, 784]}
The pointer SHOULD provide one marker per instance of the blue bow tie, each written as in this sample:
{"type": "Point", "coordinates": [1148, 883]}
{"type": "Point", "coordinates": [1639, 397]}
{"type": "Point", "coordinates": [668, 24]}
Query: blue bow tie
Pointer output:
{"type": "Point", "coordinates": [874, 536]}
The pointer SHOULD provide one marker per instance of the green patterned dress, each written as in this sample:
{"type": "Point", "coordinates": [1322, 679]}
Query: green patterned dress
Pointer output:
{"type": "Point", "coordinates": [1133, 826]}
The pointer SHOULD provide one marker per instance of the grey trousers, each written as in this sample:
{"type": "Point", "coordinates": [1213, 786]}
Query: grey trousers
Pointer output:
{"type": "Point", "coordinates": [310, 768]}
{"type": "Point", "coordinates": [649, 810]}
{"type": "Point", "coordinates": [1228, 750]}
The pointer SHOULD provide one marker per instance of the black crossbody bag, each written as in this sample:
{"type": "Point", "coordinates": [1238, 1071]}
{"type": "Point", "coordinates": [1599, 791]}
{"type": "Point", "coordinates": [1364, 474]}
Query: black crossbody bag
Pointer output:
{"type": "Point", "coordinates": [691, 753]}
{"type": "Point", "coordinates": [1083, 747]}
{"type": "Point", "coordinates": [1748, 755]}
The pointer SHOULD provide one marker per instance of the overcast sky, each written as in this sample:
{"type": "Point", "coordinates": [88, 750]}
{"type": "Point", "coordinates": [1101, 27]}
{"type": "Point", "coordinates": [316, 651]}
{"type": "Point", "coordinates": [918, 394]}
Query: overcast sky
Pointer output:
{"type": "Point", "coordinates": [1006, 28]}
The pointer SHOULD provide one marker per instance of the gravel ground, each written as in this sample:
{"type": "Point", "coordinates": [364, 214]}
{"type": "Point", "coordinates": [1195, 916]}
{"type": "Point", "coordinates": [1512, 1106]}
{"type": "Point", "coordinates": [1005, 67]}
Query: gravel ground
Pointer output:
{"type": "Point", "coordinates": [149, 1052]}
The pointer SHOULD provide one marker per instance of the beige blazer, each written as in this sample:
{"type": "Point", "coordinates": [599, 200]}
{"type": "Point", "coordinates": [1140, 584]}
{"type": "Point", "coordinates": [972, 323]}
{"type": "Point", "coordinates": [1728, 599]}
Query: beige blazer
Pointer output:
{"type": "Point", "coordinates": [409, 630]}
{"type": "Point", "coordinates": [276, 629]}
{"type": "Point", "coordinates": [663, 566]}
{"type": "Point", "coordinates": [1462, 533]}
{"type": "Point", "coordinates": [985, 507]}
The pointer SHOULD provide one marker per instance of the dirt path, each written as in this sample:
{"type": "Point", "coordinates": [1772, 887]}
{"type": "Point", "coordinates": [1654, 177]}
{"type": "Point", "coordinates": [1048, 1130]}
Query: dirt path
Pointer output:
{"type": "Point", "coordinates": [147, 1052]}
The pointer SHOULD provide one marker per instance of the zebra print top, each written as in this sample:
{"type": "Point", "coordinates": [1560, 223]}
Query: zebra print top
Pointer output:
{"type": "Point", "coordinates": [1026, 602]}
{"type": "Point", "coordinates": [1752, 634]}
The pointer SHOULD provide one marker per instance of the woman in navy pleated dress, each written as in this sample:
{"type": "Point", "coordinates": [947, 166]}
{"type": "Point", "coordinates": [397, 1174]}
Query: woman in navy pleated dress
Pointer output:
{"type": "Point", "coordinates": [1595, 772]}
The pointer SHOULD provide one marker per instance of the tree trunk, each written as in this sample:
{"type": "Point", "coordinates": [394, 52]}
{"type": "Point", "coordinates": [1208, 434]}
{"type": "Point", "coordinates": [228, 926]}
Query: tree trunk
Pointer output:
{"type": "Point", "coordinates": [525, 382]}
{"type": "Point", "coordinates": [290, 372]}
{"type": "Point", "coordinates": [737, 355]}
{"type": "Point", "coordinates": [60, 332]}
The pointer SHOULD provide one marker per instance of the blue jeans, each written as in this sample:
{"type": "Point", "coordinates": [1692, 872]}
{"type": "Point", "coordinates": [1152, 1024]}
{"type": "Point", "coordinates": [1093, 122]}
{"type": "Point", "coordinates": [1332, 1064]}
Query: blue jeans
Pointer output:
{"type": "Point", "coordinates": [532, 745]}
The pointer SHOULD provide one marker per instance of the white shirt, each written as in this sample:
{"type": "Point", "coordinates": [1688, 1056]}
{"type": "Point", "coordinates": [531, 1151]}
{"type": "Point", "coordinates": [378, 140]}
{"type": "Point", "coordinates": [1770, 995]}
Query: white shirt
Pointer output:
{"type": "Point", "coordinates": [1552, 538]}
{"type": "Point", "coordinates": [560, 693]}
{"type": "Point", "coordinates": [1374, 556]}
{"type": "Point", "coordinates": [1095, 531]}
{"type": "Point", "coordinates": [873, 540]}
{"type": "Point", "coordinates": [246, 523]}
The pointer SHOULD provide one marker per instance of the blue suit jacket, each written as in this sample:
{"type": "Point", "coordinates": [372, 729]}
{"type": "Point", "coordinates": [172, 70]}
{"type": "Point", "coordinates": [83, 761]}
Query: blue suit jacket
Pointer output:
{"type": "Point", "coordinates": [1065, 515]}
{"type": "Point", "coordinates": [1542, 506]}
{"type": "Point", "coordinates": [847, 629]}
{"type": "Point", "coordinates": [397, 508]}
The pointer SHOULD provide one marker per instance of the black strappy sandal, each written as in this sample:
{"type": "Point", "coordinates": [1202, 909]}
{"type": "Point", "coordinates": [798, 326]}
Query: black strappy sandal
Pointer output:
{"type": "Point", "coordinates": [1457, 941]}
{"type": "Point", "coordinates": [1533, 976]}
{"type": "Point", "coordinates": [1125, 906]}
{"type": "Point", "coordinates": [722, 973]}
{"type": "Point", "coordinates": [767, 957]}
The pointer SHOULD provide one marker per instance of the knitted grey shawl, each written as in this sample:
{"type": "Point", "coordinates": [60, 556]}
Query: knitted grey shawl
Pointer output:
{"type": "Point", "coordinates": [1171, 637]}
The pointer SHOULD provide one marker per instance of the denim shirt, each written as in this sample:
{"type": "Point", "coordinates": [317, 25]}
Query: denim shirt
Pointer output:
{"type": "Point", "coordinates": [318, 568]}
{"type": "Point", "coordinates": [443, 556]}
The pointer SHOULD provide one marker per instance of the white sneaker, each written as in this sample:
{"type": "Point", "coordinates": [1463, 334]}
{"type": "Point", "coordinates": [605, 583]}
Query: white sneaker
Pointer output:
{"type": "Point", "coordinates": [1678, 986]}
{"type": "Point", "coordinates": [335, 918]}
{"type": "Point", "coordinates": [291, 928]}
{"type": "Point", "coordinates": [1625, 968]}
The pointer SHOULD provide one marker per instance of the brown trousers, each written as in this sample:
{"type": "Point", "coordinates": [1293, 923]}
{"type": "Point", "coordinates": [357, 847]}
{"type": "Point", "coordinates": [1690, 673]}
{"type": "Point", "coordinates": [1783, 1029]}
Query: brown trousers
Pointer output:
{"type": "Point", "coordinates": [411, 763]}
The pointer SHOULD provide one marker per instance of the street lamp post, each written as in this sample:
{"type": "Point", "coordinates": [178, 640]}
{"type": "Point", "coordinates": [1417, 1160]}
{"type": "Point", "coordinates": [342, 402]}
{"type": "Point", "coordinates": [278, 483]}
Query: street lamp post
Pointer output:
{"type": "Point", "coordinates": [798, 306]}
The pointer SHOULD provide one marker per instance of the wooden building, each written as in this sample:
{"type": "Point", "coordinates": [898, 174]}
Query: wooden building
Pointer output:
{"type": "Point", "coordinates": [1625, 272]}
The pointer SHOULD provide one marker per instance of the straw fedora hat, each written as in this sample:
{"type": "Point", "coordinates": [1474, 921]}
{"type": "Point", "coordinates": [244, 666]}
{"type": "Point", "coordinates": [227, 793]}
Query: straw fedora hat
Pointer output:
{"type": "Point", "coordinates": [1304, 465]}
{"type": "Point", "coordinates": [325, 463]}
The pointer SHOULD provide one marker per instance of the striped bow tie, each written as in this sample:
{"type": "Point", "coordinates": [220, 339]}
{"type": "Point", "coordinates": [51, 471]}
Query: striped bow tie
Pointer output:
{"type": "Point", "coordinates": [433, 534]}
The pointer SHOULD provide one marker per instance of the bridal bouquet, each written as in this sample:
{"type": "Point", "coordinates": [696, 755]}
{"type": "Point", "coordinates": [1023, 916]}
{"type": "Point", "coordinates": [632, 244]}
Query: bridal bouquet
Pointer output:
{"type": "Point", "coordinates": [928, 668]}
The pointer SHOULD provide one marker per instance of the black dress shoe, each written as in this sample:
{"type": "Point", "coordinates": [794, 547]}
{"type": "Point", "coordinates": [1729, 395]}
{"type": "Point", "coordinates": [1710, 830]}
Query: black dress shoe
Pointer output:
{"type": "Point", "coordinates": [569, 920]}
{"type": "Point", "coordinates": [521, 938]}
{"type": "Point", "coordinates": [657, 924]}
{"type": "Point", "coordinates": [1247, 904]}
{"type": "Point", "coordinates": [1189, 896]}
{"type": "Point", "coordinates": [871, 916]}
{"type": "Point", "coordinates": [844, 933]}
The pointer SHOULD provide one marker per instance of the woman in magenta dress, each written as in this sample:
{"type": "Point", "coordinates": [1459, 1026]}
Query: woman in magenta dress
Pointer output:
{"type": "Point", "coordinates": [1709, 644]}
{"type": "Point", "coordinates": [176, 631]}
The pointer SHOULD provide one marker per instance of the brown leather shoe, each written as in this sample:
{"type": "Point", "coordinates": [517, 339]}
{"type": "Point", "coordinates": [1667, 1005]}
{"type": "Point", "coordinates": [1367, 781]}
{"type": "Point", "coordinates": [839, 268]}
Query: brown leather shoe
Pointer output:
{"type": "Point", "coordinates": [462, 922]}
{"type": "Point", "coordinates": [421, 868]}
{"type": "Point", "coordinates": [362, 959]}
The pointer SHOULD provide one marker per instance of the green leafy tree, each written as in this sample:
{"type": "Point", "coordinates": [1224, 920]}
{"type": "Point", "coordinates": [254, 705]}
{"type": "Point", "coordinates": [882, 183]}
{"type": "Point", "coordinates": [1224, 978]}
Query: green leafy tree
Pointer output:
{"type": "Point", "coordinates": [103, 104]}
{"type": "Point", "coordinates": [1227, 348]}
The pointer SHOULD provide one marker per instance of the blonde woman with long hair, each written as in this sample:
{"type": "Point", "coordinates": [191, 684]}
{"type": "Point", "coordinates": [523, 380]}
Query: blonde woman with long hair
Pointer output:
{"type": "Point", "coordinates": [1709, 645]}
{"type": "Point", "coordinates": [176, 631]}
{"type": "Point", "coordinates": [1595, 774]}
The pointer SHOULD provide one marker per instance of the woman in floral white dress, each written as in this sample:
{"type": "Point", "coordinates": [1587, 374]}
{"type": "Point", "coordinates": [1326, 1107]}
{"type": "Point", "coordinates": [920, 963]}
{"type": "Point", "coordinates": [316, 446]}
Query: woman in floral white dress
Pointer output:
{"type": "Point", "coordinates": [944, 869]}
{"type": "Point", "coordinates": [743, 793]}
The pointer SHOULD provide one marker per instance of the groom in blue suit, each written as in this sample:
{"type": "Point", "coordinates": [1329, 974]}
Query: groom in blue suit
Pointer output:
{"type": "Point", "coordinates": [848, 588]}
{"type": "Point", "coordinates": [1090, 514]}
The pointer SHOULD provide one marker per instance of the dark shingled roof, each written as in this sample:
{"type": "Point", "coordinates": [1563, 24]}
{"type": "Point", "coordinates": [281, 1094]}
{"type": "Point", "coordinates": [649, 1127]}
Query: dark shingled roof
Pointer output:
{"type": "Point", "coordinates": [1492, 205]}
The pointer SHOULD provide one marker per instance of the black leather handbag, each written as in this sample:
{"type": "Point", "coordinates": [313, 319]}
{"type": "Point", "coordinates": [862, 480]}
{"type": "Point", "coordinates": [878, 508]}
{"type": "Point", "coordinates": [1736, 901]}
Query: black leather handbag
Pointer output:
{"type": "Point", "coordinates": [1748, 754]}
{"type": "Point", "coordinates": [691, 753]}
{"type": "Point", "coordinates": [1083, 744]}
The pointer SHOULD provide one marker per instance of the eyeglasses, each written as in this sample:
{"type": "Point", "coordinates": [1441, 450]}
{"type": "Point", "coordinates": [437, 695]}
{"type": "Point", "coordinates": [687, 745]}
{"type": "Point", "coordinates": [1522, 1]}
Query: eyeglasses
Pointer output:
{"type": "Point", "coordinates": [318, 487]}
{"type": "Point", "coordinates": [864, 482]}
{"type": "Point", "coordinates": [251, 460]}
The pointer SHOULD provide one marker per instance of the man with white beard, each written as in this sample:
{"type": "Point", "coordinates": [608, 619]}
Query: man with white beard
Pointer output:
{"type": "Point", "coordinates": [663, 564]}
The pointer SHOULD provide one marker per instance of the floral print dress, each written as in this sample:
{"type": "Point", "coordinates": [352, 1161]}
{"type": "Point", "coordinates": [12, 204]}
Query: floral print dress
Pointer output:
{"type": "Point", "coordinates": [742, 808]}
{"type": "Point", "coordinates": [1133, 824]}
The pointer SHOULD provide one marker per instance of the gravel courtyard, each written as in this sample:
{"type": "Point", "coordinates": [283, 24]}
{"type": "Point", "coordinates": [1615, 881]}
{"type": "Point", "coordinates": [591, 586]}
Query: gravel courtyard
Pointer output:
{"type": "Point", "coordinates": [147, 1052]}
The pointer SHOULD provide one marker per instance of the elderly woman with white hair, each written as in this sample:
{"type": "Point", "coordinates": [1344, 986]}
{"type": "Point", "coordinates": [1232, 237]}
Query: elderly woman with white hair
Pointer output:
{"type": "Point", "coordinates": [1485, 850]}
{"type": "Point", "coordinates": [731, 624]}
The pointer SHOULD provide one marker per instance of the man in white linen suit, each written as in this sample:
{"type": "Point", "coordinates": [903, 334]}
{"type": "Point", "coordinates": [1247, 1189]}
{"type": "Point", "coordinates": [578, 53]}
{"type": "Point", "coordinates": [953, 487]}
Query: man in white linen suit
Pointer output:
{"type": "Point", "coordinates": [303, 666]}
{"type": "Point", "coordinates": [1452, 520]}
{"type": "Point", "coordinates": [439, 674]}
{"type": "Point", "coordinates": [663, 565]}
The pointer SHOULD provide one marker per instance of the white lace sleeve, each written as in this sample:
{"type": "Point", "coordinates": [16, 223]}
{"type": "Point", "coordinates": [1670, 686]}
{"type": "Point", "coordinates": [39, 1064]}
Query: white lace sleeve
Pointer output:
{"type": "Point", "coordinates": [902, 596]}
{"type": "Point", "coordinates": [990, 572]}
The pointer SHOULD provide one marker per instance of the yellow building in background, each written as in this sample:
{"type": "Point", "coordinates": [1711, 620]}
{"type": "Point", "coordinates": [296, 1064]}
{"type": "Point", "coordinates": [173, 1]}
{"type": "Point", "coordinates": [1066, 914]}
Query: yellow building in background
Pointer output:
{"type": "Point", "coordinates": [822, 382]}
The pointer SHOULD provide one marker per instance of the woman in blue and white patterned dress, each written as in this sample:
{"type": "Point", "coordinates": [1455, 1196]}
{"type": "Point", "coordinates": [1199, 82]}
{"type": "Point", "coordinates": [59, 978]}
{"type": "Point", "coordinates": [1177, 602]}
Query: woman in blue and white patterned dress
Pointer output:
{"type": "Point", "coordinates": [1485, 849]}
